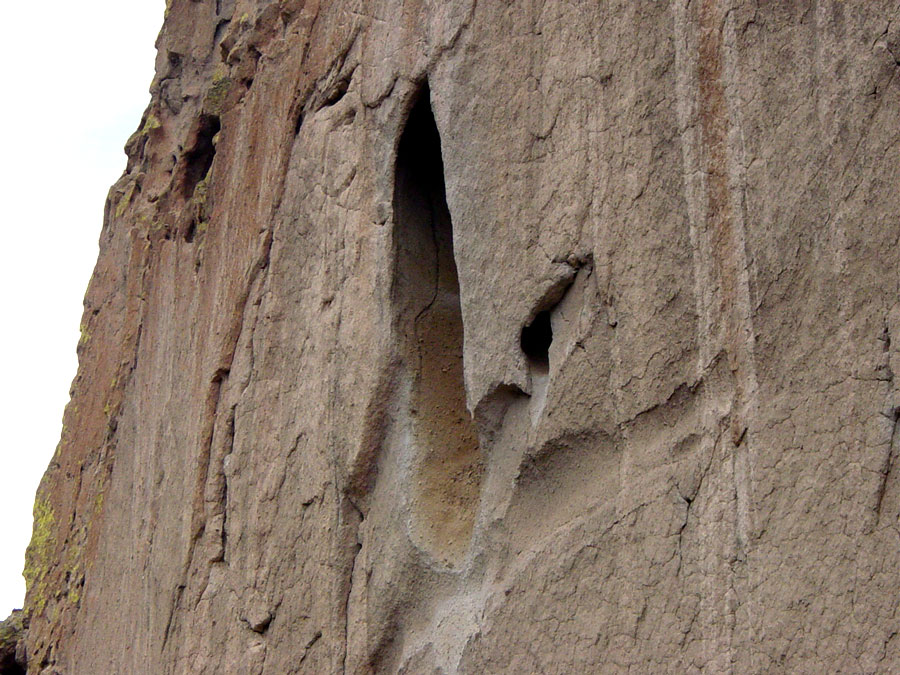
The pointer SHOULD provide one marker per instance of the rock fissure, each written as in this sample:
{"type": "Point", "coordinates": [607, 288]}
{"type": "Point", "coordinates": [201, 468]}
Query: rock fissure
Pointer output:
{"type": "Point", "coordinates": [887, 466]}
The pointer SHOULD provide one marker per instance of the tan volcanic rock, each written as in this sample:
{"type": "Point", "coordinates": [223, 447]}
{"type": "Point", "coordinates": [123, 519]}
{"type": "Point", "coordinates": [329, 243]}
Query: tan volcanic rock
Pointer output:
{"type": "Point", "coordinates": [490, 337]}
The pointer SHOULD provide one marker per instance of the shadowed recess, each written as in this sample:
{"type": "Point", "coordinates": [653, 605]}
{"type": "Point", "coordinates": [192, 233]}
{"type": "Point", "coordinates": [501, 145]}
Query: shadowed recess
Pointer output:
{"type": "Point", "coordinates": [446, 459]}
{"type": "Point", "coordinates": [535, 341]}
{"type": "Point", "coordinates": [198, 160]}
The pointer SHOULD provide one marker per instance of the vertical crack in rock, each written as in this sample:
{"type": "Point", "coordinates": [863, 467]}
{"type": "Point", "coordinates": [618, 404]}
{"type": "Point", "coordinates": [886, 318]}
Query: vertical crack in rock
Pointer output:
{"type": "Point", "coordinates": [446, 458]}
{"type": "Point", "coordinates": [687, 514]}
{"type": "Point", "coordinates": [198, 509]}
{"type": "Point", "coordinates": [202, 513]}
{"type": "Point", "coordinates": [348, 595]}
{"type": "Point", "coordinates": [888, 466]}
{"type": "Point", "coordinates": [216, 490]}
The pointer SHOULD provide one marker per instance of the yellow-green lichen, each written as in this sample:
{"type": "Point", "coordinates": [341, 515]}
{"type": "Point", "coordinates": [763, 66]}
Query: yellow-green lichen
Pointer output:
{"type": "Point", "coordinates": [218, 91]}
{"type": "Point", "coordinates": [154, 228]}
{"type": "Point", "coordinates": [198, 199]}
{"type": "Point", "coordinates": [84, 335]}
{"type": "Point", "coordinates": [201, 191]}
{"type": "Point", "coordinates": [125, 200]}
{"type": "Point", "coordinates": [39, 554]}
{"type": "Point", "coordinates": [198, 206]}
{"type": "Point", "coordinates": [152, 122]}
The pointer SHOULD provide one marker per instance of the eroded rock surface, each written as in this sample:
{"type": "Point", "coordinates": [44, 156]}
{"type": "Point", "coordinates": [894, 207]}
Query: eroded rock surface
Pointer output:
{"type": "Point", "coordinates": [490, 337]}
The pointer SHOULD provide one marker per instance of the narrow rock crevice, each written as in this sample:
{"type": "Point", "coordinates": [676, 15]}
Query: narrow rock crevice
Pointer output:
{"type": "Point", "coordinates": [358, 518]}
{"type": "Point", "coordinates": [888, 466]}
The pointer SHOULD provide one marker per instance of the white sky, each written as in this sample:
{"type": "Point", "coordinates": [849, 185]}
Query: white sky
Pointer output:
{"type": "Point", "coordinates": [75, 82]}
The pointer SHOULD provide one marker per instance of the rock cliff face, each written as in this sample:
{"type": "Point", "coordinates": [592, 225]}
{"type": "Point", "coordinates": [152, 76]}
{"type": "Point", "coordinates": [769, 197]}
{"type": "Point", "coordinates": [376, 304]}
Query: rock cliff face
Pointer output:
{"type": "Point", "coordinates": [456, 336]}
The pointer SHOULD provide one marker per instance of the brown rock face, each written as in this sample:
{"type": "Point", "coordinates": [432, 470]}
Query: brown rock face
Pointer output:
{"type": "Point", "coordinates": [491, 337]}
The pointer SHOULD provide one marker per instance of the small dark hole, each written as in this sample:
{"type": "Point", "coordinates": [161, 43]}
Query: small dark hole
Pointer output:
{"type": "Point", "coordinates": [298, 124]}
{"type": "Point", "coordinates": [191, 230]}
{"type": "Point", "coordinates": [536, 339]}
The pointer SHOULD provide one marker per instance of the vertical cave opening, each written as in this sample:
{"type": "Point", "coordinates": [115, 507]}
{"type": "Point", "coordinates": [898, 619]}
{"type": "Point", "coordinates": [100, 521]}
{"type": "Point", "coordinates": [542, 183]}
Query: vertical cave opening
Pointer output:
{"type": "Point", "coordinates": [199, 158]}
{"type": "Point", "coordinates": [446, 459]}
{"type": "Point", "coordinates": [535, 342]}
{"type": "Point", "coordinates": [197, 162]}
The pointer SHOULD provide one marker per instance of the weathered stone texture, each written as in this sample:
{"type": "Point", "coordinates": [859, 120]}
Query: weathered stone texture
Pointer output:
{"type": "Point", "coordinates": [267, 466]}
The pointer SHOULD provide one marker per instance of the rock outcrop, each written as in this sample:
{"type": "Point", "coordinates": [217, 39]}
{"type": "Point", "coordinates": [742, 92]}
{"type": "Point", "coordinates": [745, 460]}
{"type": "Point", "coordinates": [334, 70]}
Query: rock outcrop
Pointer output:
{"type": "Point", "coordinates": [12, 645]}
{"type": "Point", "coordinates": [490, 337]}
